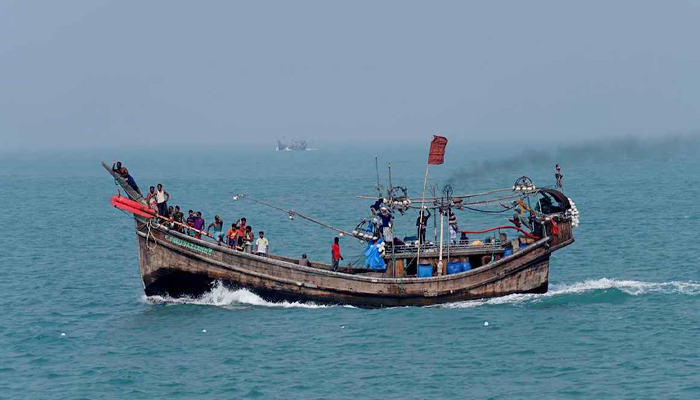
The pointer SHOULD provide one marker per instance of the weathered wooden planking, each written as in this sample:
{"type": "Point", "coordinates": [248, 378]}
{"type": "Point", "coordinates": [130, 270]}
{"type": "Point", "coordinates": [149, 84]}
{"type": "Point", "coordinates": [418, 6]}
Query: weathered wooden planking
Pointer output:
{"type": "Point", "coordinates": [168, 254]}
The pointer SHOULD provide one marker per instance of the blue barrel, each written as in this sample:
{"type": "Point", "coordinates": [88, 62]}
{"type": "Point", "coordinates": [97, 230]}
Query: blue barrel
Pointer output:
{"type": "Point", "coordinates": [425, 270]}
{"type": "Point", "coordinates": [466, 265]}
{"type": "Point", "coordinates": [508, 252]}
{"type": "Point", "coordinates": [522, 245]}
{"type": "Point", "coordinates": [454, 267]}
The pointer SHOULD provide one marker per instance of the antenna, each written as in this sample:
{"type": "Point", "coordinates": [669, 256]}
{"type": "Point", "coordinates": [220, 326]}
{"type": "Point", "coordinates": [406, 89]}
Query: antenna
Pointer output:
{"type": "Point", "coordinates": [391, 186]}
{"type": "Point", "coordinates": [379, 185]}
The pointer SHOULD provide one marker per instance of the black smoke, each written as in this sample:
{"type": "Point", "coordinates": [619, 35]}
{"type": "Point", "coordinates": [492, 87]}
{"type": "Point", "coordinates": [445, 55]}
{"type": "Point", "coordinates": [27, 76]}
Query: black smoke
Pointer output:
{"type": "Point", "coordinates": [621, 148]}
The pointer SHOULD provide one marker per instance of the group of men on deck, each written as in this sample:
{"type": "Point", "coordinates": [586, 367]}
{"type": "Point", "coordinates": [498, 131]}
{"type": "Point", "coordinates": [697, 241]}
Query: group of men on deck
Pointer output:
{"type": "Point", "coordinates": [239, 237]}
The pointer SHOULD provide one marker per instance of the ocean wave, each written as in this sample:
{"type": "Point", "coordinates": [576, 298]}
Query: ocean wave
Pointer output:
{"type": "Point", "coordinates": [221, 296]}
{"type": "Point", "coordinates": [630, 287]}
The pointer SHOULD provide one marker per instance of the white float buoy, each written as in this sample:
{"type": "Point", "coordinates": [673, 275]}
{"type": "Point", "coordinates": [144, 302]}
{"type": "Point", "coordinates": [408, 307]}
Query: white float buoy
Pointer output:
{"type": "Point", "coordinates": [486, 323]}
{"type": "Point", "coordinates": [204, 331]}
{"type": "Point", "coordinates": [342, 327]}
{"type": "Point", "coordinates": [63, 334]}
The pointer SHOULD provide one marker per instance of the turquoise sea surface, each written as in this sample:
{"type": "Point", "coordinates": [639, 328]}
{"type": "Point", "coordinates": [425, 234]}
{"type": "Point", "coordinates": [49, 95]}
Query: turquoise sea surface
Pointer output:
{"type": "Point", "coordinates": [621, 319]}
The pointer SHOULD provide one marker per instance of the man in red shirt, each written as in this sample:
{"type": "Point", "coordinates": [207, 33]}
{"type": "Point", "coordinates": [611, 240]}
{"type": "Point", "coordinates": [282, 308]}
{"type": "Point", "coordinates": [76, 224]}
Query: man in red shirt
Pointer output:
{"type": "Point", "coordinates": [559, 177]}
{"type": "Point", "coordinates": [335, 254]}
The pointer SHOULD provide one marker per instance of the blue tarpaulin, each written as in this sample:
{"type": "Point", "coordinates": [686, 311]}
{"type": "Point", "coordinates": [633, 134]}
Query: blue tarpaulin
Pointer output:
{"type": "Point", "coordinates": [373, 259]}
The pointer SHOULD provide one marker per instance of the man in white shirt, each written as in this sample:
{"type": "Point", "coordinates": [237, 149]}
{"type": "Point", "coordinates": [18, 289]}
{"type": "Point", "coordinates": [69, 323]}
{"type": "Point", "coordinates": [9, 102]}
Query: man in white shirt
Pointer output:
{"type": "Point", "coordinates": [262, 246]}
{"type": "Point", "coordinates": [162, 198]}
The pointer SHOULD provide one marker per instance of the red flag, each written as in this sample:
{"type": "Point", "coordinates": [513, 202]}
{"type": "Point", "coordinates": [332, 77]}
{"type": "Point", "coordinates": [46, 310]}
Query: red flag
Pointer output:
{"type": "Point", "coordinates": [437, 150]}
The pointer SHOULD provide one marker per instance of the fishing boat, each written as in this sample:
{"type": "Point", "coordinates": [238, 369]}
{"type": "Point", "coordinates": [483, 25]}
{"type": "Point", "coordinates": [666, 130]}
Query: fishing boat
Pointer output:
{"type": "Point", "coordinates": [177, 264]}
{"type": "Point", "coordinates": [294, 145]}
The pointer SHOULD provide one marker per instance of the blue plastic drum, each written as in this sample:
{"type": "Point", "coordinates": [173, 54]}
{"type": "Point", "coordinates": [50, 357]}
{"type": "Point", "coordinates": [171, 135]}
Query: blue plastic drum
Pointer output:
{"type": "Point", "coordinates": [425, 270]}
{"type": "Point", "coordinates": [466, 265]}
{"type": "Point", "coordinates": [454, 267]}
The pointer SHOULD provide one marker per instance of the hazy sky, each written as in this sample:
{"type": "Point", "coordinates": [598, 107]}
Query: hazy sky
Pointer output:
{"type": "Point", "coordinates": [104, 73]}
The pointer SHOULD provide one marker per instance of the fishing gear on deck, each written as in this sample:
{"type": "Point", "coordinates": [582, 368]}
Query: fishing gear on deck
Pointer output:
{"type": "Point", "coordinates": [367, 229]}
{"type": "Point", "coordinates": [398, 199]}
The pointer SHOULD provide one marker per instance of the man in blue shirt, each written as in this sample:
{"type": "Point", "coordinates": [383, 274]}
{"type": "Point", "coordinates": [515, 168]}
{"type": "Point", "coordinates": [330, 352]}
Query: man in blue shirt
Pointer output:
{"type": "Point", "coordinates": [387, 219]}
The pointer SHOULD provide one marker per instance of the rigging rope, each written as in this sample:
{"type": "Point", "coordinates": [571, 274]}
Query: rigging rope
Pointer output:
{"type": "Point", "coordinates": [464, 196]}
{"type": "Point", "coordinates": [487, 211]}
{"type": "Point", "coordinates": [503, 227]}
{"type": "Point", "coordinates": [151, 224]}
{"type": "Point", "coordinates": [473, 203]}
{"type": "Point", "coordinates": [293, 213]}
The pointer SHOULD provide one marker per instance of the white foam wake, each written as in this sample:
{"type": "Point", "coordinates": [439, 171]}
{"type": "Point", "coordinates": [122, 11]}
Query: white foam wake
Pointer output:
{"type": "Point", "coordinates": [634, 288]}
{"type": "Point", "coordinates": [630, 287]}
{"type": "Point", "coordinates": [222, 296]}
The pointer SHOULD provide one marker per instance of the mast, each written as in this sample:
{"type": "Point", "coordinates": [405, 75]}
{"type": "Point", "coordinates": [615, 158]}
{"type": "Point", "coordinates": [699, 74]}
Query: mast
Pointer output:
{"type": "Point", "coordinates": [393, 253]}
{"type": "Point", "coordinates": [445, 203]}
{"type": "Point", "coordinates": [425, 183]}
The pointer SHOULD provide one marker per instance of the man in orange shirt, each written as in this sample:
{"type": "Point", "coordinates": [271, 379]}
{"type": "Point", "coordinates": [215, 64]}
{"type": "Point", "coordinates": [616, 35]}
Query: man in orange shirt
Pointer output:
{"type": "Point", "coordinates": [232, 235]}
{"type": "Point", "coordinates": [335, 254]}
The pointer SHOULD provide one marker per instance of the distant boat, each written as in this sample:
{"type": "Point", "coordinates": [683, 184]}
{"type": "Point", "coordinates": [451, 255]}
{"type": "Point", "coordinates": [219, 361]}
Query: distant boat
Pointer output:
{"type": "Point", "coordinates": [300, 145]}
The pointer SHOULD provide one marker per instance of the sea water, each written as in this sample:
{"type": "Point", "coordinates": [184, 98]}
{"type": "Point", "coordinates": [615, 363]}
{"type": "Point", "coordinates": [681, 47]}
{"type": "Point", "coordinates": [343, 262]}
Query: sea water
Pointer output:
{"type": "Point", "coordinates": [621, 319]}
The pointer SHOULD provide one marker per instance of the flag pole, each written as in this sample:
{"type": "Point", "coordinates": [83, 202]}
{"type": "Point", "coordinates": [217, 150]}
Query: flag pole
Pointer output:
{"type": "Point", "coordinates": [439, 266]}
{"type": "Point", "coordinates": [422, 213]}
{"type": "Point", "coordinates": [436, 156]}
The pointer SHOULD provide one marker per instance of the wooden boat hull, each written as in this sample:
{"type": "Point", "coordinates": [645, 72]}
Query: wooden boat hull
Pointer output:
{"type": "Point", "coordinates": [178, 265]}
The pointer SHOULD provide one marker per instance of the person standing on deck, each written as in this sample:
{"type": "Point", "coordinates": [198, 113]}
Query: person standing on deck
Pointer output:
{"type": "Point", "coordinates": [151, 198]}
{"type": "Point", "coordinates": [232, 236]}
{"type": "Point", "coordinates": [387, 219]}
{"type": "Point", "coordinates": [242, 228]}
{"type": "Point", "coordinates": [190, 222]}
{"type": "Point", "coordinates": [171, 211]}
{"type": "Point", "coordinates": [422, 225]}
{"type": "Point", "coordinates": [162, 198]}
{"type": "Point", "coordinates": [453, 227]}
{"type": "Point", "coordinates": [262, 246]}
{"type": "Point", "coordinates": [559, 177]}
{"type": "Point", "coordinates": [177, 217]}
{"type": "Point", "coordinates": [198, 224]}
{"type": "Point", "coordinates": [218, 225]}
{"type": "Point", "coordinates": [249, 239]}
{"type": "Point", "coordinates": [335, 254]}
